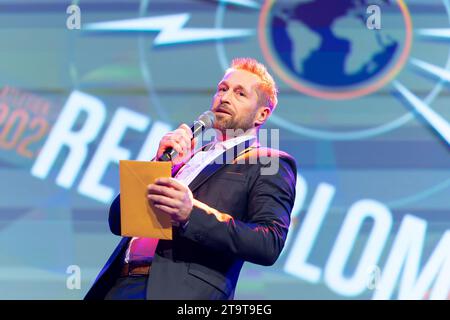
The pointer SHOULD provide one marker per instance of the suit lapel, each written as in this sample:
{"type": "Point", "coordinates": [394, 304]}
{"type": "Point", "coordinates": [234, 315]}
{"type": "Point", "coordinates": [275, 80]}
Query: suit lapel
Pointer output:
{"type": "Point", "coordinates": [220, 162]}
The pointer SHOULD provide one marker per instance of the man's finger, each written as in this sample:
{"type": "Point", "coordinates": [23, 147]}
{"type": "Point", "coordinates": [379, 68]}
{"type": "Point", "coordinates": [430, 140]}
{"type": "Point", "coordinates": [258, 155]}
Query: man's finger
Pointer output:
{"type": "Point", "coordinates": [169, 202]}
{"type": "Point", "coordinates": [187, 130]}
{"type": "Point", "coordinates": [164, 191]}
{"type": "Point", "coordinates": [177, 147]}
{"type": "Point", "coordinates": [182, 134]}
{"type": "Point", "coordinates": [184, 143]}
{"type": "Point", "coordinates": [171, 182]}
{"type": "Point", "coordinates": [182, 140]}
{"type": "Point", "coordinates": [170, 211]}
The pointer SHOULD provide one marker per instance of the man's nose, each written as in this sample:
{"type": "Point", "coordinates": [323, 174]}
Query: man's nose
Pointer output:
{"type": "Point", "coordinates": [225, 97]}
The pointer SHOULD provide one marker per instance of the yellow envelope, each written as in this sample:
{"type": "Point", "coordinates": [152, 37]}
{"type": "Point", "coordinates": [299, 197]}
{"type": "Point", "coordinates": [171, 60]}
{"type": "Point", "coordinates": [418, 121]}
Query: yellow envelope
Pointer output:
{"type": "Point", "coordinates": [137, 217]}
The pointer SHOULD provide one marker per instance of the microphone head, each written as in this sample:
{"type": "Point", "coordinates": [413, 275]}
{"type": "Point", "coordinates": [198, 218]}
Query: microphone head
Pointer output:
{"type": "Point", "coordinates": [207, 118]}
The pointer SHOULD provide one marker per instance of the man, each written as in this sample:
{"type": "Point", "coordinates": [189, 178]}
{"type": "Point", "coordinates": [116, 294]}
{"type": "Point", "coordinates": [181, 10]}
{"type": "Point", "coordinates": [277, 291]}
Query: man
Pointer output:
{"type": "Point", "coordinates": [223, 213]}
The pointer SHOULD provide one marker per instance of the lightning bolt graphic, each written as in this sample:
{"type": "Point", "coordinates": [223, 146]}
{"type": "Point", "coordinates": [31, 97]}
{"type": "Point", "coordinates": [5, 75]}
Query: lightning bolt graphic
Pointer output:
{"type": "Point", "coordinates": [171, 29]}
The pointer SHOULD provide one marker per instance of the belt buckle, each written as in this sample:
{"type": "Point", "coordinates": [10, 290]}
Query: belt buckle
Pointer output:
{"type": "Point", "coordinates": [133, 270]}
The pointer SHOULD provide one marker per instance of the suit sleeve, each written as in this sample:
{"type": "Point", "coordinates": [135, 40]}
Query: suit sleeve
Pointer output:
{"type": "Point", "coordinates": [114, 216]}
{"type": "Point", "coordinates": [261, 238]}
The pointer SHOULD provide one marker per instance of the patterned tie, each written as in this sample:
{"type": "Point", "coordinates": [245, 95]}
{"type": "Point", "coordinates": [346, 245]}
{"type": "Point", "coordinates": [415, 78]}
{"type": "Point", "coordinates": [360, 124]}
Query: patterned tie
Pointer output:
{"type": "Point", "coordinates": [141, 250]}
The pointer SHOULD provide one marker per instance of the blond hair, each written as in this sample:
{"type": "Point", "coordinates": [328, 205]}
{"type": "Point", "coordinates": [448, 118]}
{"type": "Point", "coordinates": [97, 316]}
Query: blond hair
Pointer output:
{"type": "Point", "coordinates": [267, 90]}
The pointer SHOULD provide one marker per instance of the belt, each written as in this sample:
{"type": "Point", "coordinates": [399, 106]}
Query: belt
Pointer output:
{"type": "Point", "coordinates": [135, 270]}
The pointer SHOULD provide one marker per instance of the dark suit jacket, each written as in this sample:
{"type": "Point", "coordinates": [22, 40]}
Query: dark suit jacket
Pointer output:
{"type": "Point", "coordinates": [243, 215]}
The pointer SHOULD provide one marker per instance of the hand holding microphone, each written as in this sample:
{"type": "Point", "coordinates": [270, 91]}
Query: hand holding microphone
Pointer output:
{"type": "Point", "coordinates": [177, 145]}
{"type": "Point", "coordinates": [167, 194]}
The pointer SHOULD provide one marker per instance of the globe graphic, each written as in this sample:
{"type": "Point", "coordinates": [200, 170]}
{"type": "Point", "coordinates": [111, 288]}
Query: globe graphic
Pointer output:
{"type": "Point", "coordinates": [308, 41]}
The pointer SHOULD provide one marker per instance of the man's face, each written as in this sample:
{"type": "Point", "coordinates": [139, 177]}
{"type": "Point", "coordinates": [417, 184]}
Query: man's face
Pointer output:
{"type": "Point", "coordinates": [236, 101]}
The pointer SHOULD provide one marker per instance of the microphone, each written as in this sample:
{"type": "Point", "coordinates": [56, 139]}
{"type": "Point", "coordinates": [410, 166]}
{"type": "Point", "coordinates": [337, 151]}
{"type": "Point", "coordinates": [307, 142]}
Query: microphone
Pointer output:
{"type": "Point", "coordinates": [204, 121]}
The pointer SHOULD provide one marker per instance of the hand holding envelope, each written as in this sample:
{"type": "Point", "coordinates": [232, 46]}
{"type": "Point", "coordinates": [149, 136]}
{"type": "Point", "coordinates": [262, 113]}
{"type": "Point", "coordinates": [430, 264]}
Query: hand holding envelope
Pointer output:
{"type": "Point", "coordinates": [139, 218]}
{"type": "Point", "coordinates": [172, 197]}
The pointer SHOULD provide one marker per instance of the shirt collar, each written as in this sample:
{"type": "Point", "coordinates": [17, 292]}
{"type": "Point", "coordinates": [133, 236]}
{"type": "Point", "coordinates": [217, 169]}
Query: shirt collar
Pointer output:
{"type": "Point", "coordinates": [230, 143]}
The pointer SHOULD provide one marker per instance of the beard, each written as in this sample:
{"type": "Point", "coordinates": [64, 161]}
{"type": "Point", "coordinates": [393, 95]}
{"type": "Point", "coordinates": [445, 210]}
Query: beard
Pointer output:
{"type": "Point", "coordinates": [225, 122]}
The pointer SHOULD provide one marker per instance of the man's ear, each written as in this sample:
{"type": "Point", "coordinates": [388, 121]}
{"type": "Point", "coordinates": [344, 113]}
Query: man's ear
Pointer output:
{"type": "Point", "coordinates": [262, 115]}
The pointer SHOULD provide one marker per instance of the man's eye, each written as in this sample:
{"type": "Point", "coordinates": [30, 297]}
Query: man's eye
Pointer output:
{"type": "Point", "coordinates": [242, 94]}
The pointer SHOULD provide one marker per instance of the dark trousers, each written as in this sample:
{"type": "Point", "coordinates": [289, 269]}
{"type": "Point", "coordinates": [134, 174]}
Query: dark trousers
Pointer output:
{"type": "Point", "coordinates": [128, 288]}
